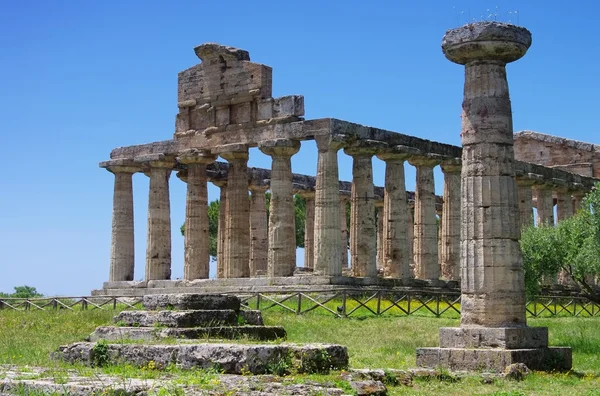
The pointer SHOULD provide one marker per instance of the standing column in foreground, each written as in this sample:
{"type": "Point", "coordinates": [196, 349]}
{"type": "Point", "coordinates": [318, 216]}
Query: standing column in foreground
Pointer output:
{"type": "Point", "coordinates": [450, 220]}
{"type": "Point", "coordinates": [158, 243]}
{"type": "Point", "coordinates": [396, 215]}
{"type": "Point", "coordinates": [122, 249]}
{"type": "Point", "coordinates": [544, 204]}
{"type": "Point", "coordinates": [222, 184]}
{"type": "Point", "coordinates": [328, 255]}
{"type": "Point", "coordinates": [237, 208]}
{"type": "Point", "coordinates": [196, 240]}
{"type": "Point", "coordinates": [493, 332]}
{"type": "Point", "coordinates": [363, 233]}
{"type": "Point", "coordinates": [309, 227]}
{"type": "Point", "coordinates": [259, 235]}
{"type": "Point", "coordinates": [426, 239]}
{"type": "Point", "coordinates": [282, 229]}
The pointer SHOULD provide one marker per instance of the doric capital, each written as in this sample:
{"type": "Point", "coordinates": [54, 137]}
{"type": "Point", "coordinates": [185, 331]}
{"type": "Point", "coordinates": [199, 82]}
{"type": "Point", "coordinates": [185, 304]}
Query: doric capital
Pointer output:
{"type": "Point", "coordinates": [365, 148]}
{"type": "Point", "coordinates": [279, 147]}
{"type": "Point", "coordinates": [307, 194]}
{"type": "Point", "coordinates": [121, 166]}
{"type": "Point", "coordinates": [330, 142]}
{"type": "Point", "coordinates": [398, 153]}
{"type": "Point", "coordinates": [219, 182]}
{"type": "Point", "coordinates": [452, 165]}
{"type": "Point", "coordinates": [183, 175]}
{"type": "Point", "coordinates": [486, 41]}
{"type": "Point", "coordinates": [232, 151]}
{"type": "Point", "coordinates": [259, 187]}
{"type": "Point", "coordinates": [159, 160]}
{"type": "Point", "coordinates": [196, 156]}
{"type": "Point", "coordinates": [426, 160]}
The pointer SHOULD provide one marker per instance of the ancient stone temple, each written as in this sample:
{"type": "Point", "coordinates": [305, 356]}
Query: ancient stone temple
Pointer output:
{"type": "Point", "coordinates": [493, 332]}
{"type": "Point", "coordinates": [226, 107]}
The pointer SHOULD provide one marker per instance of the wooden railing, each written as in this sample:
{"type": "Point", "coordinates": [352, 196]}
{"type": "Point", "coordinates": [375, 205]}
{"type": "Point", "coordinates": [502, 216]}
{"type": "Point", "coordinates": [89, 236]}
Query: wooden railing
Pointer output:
{"type": "Point", "coordinates": [339, 303]}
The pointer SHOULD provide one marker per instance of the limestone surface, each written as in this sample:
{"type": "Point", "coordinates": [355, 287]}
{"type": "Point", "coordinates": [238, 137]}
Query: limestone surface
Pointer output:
{"type": "Point", "coordinates": [191, 301]}
{"type": "Point", "coordinates": [190, 318]}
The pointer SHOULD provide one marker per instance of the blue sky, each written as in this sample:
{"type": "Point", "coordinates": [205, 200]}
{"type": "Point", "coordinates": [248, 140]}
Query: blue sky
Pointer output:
{"type": "Point", "coordinates": [78, 78]}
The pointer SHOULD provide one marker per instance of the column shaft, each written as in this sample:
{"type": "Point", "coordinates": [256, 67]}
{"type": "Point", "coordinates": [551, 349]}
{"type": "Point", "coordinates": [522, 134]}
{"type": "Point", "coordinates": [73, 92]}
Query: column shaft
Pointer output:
{"type": "Point", "coordinates": [259, 236]}
{"type": "Point", "coordinates": [544, 205]}
{"type": "Point", "coordinates": [345, 240]}
{"type": "Point", "coordinates": [158, 249]}
{"type": "Point", "coordinates": [328, 255]}
{"type": "Point", "coordinates": [196, 241]}
{"type": "Point", "coordinates": [525, 197]}
{"type": "Point", "coordinates": [450, 222]}
{"type": "Point", "coordinates": [309, 229]}
{"type": "Point", "coordinates": [122, 256]}
{"type": "Point", "coordinates": [221, 228]}
{"type": "Point", "coordinates": [564, 204]}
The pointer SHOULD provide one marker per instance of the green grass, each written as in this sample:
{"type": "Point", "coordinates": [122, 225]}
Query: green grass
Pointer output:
{"type": "Point", "coordinates": [27, 338]}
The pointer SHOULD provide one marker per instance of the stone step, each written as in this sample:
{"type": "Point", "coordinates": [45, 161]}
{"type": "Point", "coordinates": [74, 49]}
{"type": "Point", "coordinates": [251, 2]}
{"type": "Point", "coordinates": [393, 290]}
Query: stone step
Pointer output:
{"type": "Point", "coordinates": [186, 301]}
{"type": "Point", "coordinates": [116, 333]}
{"type": "Point", "coordinates": [227, 358]}
{"type": "Point", "coordinates": [195, 318]}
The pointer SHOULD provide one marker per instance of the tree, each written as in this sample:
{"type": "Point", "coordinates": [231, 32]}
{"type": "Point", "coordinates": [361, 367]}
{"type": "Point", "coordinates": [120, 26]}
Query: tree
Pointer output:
{"type": "Point", "coordinates": [23, 292]}
{"type": "Point", "coordinates": [572, 246]}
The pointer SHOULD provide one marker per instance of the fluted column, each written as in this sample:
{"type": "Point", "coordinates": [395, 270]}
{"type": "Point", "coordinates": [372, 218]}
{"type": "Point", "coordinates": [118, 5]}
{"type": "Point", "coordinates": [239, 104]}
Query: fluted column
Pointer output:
{"type": "Point", "coordinates": [578, 196]}
{"type": "Point", "coordinates": [450, 220]}
{"type": "Point", "coordinates": [158, 242]}
{"type": "Point", "coordinates": [411, 239]}
{"type": "Point", "coordinates": [122, 249]}
{"type": "Point", "coordinates": [196, 239]}
{"type": "Point", "coordinates": [345, 234]}
{"type": "Point", "coordinates": [222, 184]}
{"type": "Point", "coordinates": [525, 197]}
{"type": "Point", "coordinates": [363, 231]}
{"type": "Point", "coordinates": [544, 204]}
{"type": "Point", "coordinates": [282, 229]}
{"type": "Point", "coordinates": [564, 203]}
{"type": "Point", "coordinates": [426, 238]}
{"type": "Point", "coordinates": [380, 260]}
{"type": "Point", "coordinates": [309, 228]}
{"type": "Point", "coordinates": [328, 255]}
{"type": "Point", "coordinates": [237, 208]}
{"type": "Point", "coordinates": [259, 235]}
{"type": "Point", "coordinates": [397, 219]}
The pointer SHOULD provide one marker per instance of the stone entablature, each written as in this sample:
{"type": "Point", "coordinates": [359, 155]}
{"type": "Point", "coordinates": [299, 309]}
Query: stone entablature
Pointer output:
{"type": "Point", "coordinates": [557, 152]}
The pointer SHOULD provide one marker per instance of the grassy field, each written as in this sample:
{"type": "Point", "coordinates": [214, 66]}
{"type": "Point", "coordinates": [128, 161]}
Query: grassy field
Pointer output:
{"type": "Point", "coordinates": [27, 338]}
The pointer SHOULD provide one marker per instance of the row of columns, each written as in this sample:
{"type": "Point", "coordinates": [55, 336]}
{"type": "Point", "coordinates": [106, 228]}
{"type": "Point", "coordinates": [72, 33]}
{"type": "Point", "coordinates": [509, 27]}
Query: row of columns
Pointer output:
{"type": "Point", "coordinates": [387, 238]}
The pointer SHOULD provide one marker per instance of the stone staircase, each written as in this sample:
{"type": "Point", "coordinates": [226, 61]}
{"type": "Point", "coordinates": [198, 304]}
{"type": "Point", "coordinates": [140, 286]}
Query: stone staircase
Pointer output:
{"type": "Point", "coordinates": [190, 319]}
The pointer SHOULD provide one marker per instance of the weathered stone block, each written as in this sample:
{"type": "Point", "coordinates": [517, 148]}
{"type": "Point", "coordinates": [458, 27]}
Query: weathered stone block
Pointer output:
{"type": "Point", "coordinates": [285, 106]}
{"type": "Point", "coordinates": [229, 358]}
{"type": "Point", "coordinates": [265, 109]}
{"type": "Point", "coordinates": [494, 337]}
{"type": "Point", "coordinates": [252, 317]}
{"type": "Point", "coordinates": [241, 113]}
{"type": "Point", "coordinates": [191, 301]}
{"type": "Point", "coordinates": [177, 318]}
{"type": "Point", "coordinates": [222, 116]}
{"type": "Point", "coordinates": [553, 358]}
{"type": "Point", "coordinates": [117, 333]}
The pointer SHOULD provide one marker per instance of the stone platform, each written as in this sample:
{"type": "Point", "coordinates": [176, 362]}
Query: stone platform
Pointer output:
{"type": "Point", "coordinates": [302, 282]}
{"type": "Point", "coordinates": [485, 348]}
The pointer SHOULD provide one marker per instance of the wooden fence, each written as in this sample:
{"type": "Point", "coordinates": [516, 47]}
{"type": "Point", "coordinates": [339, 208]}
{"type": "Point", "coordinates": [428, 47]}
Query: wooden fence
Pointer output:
{"type": "Point", "coordinates": [339, 303]}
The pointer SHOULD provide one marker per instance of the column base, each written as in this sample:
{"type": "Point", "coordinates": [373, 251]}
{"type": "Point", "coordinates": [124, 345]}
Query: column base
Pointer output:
{"type": "Point", "coordinates": [458, 359]}
{"type": "Point", "coordinates": [486, 348]}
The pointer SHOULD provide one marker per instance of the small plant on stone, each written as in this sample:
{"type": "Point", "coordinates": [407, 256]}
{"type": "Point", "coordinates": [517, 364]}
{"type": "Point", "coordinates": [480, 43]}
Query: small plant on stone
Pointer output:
{"type": "Point", "coordinates": [99, 354]}
{"type": "Point", "coordinates": [317, 362]}
{"type": "Point", "coordinates": [280, 365]}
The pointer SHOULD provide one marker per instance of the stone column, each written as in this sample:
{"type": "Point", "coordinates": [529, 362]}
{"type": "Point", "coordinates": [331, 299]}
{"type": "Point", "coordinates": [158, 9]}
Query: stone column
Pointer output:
{"type": "Point", "coordinates": [450, 220]}
{"type": "Point", "coordinates": [380, 236]}
{"type": "Point", "coordinates": [525, 197]}
{"type": "Point", "coordinates": [578, 196]}
{"type": "Point", "coordinates": [328, 255]}
{"type": "Point", "coordinates": [411, 239]}
{"type": "Point", "coordinates": [222, 184]}
{"type": "Point", "coordinates": [309, 228]}
{"type": "Point", "coordinates": [196, 240]}
{"type": "Point", "coordinates": [344, 199]}
{"type": "Point", "coordinates": [259, 234]}
{"type": "Point", "coordinates": [544, 204]}
{"type": "Point", "coordinates": [564, 204]}
{"type": "Point", "coordinates": [158, 242]}
{"type": "Point", "coordinates": [122, 251]}
{"type": "Point", "coordinates": [426, 239]}
{"type": "Point", "coordinates": [282, 229]}
{"type": "Point", "coordinates": [493, 332]}
{"type": "Point", "coordinates": [363, 234]}
{"type": "Point", "coordinates": [397, 219]}
{"type": "Point", "coordinates": [237, 209]}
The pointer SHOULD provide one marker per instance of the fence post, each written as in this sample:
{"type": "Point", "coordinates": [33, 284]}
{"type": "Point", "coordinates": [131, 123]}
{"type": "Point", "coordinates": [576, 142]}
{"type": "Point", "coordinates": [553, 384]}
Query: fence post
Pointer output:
{"type": "Point", "coordinates": [378, 302]}
{"type": "Point", "coordinates": [299, 309]}
{"type": "Point", "coordinates": [258, 301]}
{"type": "Point", "coordinates": [344, 303]}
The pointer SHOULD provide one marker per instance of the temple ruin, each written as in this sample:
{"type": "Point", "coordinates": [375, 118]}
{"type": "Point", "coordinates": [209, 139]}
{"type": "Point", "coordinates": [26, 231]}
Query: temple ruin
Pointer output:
{"type": "Point", "coordinates": [226, 107]}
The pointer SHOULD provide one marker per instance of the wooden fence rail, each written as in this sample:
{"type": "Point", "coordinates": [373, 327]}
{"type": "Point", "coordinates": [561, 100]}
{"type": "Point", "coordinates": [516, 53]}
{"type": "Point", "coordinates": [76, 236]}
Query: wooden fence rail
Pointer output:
{"type": "Point", "coordinates": [340, 303]}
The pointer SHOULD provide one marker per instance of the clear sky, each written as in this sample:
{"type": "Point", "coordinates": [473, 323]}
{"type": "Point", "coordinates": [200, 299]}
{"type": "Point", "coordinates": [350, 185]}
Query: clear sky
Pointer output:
{"type": "Point", "coordinates": [79, 78]}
